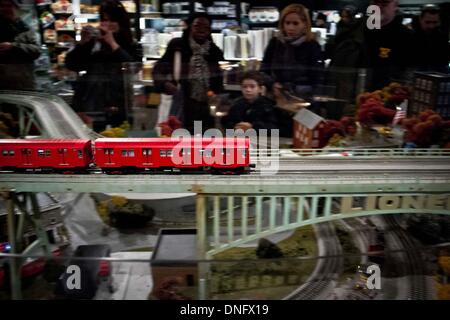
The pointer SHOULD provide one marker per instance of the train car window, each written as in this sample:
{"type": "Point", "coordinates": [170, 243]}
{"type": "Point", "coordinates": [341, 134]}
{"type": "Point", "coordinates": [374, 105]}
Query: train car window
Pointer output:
{"type": "Point", "coordinates": [162, 153]}
{"type": "Point", "coordinates": [109, 151]}
{"type": "Point", "coordinates": [169, 153]}
{"type": "Point", "coordinates": [147, 152]}
{"type": "Point", "coordinates": [41, 153]}
{"type": "Point", "coordinates": [80, 153]}
{"type": "Point", "coordinates": [124, 153]}
{"type": "Point", "coordinates": [5, 153]}
{"type": "Point", "coordinates": [12, 153]}
{"type": "Point", "coordinates": [131, 153]}
{"type": "Point", "coordinates": [48, 153]}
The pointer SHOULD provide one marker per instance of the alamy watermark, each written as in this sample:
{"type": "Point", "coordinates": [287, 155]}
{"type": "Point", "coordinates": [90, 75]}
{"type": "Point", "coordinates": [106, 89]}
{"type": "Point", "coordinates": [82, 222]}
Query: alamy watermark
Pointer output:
{"type": "Point", "coordinates": [374, 17]}
{"type": "Point", "coordinates": [74, 280]}
{"type": "Point", "coordinates": [373, 273]}
{"type": "Point", "coordinates": [264, 144]}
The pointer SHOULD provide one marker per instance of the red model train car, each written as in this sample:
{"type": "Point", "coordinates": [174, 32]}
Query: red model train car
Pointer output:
{"type": "Point", "coordinates": [127, 155]}
{"type": "Point", "coordinates": [227, 155]}
{"type": "Point", "coordinates": [67, 156]}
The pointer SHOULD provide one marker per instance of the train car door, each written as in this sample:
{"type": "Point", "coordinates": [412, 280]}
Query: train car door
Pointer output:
{"type": "Point", "coordinates": [146, 155]}
{"type": "Point", "coordinates": [62, 152]}
{"type": "Point", "coordinates": [26, 156]}
{"type": "Point", "coordinates": [109, 152]}
{"type": "Point", "coordinates": [227, 155]}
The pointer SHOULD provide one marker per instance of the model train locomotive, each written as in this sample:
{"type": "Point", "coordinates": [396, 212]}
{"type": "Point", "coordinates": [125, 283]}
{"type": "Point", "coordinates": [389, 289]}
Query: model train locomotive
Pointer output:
{"type": "Point", "coordinates": [127, 155]}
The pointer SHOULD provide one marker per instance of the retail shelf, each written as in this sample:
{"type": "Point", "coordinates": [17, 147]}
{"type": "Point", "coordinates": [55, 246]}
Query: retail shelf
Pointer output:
{"type": "Point", "coordinates": [175, 14]}
{"type": "Point", "coordinates": [87, 15]}
{"type": "Point", "coordinates": [65, 47]}
{"type": "Point", "coordinates": [153, 57]}
{"type": "Point", "coordinates": [222, 16]}
{"type": "Point", "coordinates": [227, 87]}
{"type": "Point", "coordinates": [263, 23]}
{"type": "Point", "coordinates": [151, 13]}
{"type": "Point", "coordinates": [147, 83]}
{"type": "Point", "coordinates": [242, 59]}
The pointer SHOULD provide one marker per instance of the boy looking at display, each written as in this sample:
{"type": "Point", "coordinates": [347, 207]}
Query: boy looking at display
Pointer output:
{"type": "Point", "coordinates": [252, 110]}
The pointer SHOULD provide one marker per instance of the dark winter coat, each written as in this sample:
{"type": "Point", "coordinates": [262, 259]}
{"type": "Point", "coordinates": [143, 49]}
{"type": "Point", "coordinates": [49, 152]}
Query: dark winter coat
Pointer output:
{"type": "Point", "coordinates": [260, 113]}
{"type": "Point", "coordinates": [347, 49]}
{"type": "Point", "coordinates": [163, 70]}
{"type": "Point", "coordinates": [187, 109]}
{"type": "Point", "coordinates": [388, 53]}
{"type": "Point", "coordinates": [300, 70]}
{"type": "Point", "coordinates": [431, 51]}
{"type": "Point", "coordinates": [102, 86]}
{"type": "Point", "coordinates": [17, 64]}
{"type": "Point", "coordinates": [348, 54]}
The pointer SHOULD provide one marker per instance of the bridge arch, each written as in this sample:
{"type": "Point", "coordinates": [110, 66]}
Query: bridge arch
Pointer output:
{"type": "Point", "coordinates": [233, 220]}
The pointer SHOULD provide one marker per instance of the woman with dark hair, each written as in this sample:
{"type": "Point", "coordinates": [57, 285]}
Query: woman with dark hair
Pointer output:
{"type": "Point", "coordinates": [189, 69]}
{"type": "Point", "coordinates": [101, 54]}
{"type": "Point", "coordinates": [292, 59]}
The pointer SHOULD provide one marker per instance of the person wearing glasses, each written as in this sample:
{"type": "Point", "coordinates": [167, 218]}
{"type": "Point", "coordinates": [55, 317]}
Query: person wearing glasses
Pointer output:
{"type": "Point", "coordinates": [431, 47]}
{"type": "Point", "coordinates": [101, 55]}
{"type": "Point", "coordinates": [388, 47]}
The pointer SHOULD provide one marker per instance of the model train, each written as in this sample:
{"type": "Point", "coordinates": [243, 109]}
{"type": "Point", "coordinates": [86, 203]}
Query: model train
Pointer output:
{"type": "Point", "coordinates": [127, 155]}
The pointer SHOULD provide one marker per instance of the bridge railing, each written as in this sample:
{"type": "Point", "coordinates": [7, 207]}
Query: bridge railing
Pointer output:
{"type": "Point", "coordinates": [233, 220]}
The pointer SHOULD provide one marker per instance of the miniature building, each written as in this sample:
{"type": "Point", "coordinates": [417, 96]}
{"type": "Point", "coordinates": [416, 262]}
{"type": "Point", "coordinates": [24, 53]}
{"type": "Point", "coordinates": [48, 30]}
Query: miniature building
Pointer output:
{"type": "Point", "coordinates": [174, 256]}
{"type": "Point", "coordinates": [431, 91]}
{"type": "Point", "coordinates": [308, 129]}
{"type": "Point", "coordinates": [51, 220]}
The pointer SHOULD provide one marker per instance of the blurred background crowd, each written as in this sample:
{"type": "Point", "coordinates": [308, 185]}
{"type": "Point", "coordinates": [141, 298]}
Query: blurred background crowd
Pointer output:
{"type": "Point", "coordinates": [114, 65]}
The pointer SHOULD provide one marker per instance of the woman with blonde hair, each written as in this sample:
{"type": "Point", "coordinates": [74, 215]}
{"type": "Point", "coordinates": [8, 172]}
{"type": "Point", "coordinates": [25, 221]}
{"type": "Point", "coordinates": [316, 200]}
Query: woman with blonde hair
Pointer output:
{"type": "Point", "coordinates": [292, 59]}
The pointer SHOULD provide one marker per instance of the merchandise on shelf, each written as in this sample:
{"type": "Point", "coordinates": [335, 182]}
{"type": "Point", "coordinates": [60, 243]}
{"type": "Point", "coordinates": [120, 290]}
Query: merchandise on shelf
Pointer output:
{"type": "Point", "coordinates": [65, 24]}
{"type": "Point", "coordinates": [50, 36]}
{"type": "Point", "coordinates": [46, 19]}
{"type": "Point", "coordinates": [130, 6]}
{"type": "Point", "coordinates": [263, 15]}
{"type": "Point", "coordinates": [62, 6]}
{"type": "Point", "coordinates": [65, 39]}
{"type": "Point", "coordinates": [91, 9]}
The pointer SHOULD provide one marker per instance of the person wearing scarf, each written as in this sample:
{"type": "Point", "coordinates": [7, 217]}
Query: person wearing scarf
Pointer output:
{"type": "Point", "coordinates": [292, 60]}
{"type": "Point", "coordinates": [200, 72]}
